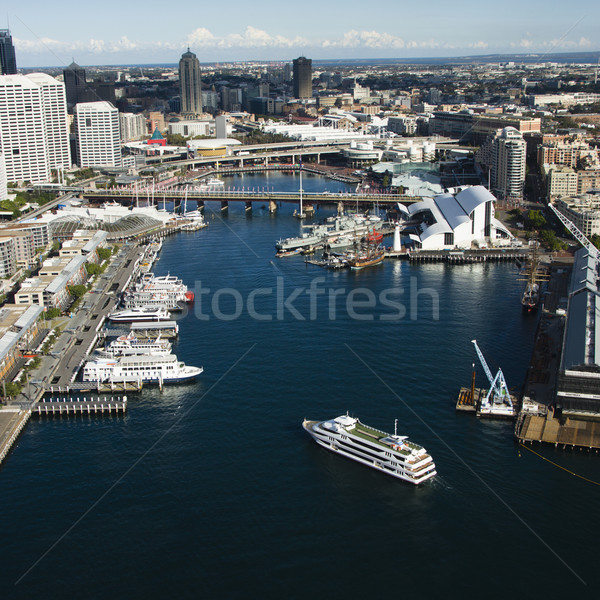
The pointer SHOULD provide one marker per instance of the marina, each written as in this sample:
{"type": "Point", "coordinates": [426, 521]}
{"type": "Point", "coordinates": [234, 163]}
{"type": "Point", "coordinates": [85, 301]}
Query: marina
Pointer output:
{"type": "Point", "coordinates": [192, 475]}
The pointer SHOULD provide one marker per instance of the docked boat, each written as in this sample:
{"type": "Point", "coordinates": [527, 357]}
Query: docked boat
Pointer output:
{"type": "Point", "coordinates": [365, 258]}
{"type": "Point", "coordinates": [140, 314]}
{"type": "Point", "coordinates": [145, 368]}
{"type": "Point", "coordinates": [531, 296]}
{"type": "Point", "coordinates": [128, 345]}
{"type": "Point", "coordinates": [158, 299]}
{"type": "Point", "coordinates": [391, 454]}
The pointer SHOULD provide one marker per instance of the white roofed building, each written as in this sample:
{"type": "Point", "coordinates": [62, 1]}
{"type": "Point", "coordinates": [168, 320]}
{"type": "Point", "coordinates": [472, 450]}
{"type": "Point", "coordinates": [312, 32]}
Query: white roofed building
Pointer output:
{"type": "Point", "coordinates": [448, 221]}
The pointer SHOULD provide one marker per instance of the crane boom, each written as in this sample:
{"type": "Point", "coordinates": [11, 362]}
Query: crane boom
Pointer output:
{"type": "Point", "coordinates": [592, 250]}
{"type": "Point", "coordinates": [498, 392]}
{"type": "Point", "coordinates": [483, 363]}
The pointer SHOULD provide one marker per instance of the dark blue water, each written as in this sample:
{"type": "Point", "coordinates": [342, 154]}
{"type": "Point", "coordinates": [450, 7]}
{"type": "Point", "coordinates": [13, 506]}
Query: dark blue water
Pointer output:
{"type": "Point", "coordinates": [213, 490]}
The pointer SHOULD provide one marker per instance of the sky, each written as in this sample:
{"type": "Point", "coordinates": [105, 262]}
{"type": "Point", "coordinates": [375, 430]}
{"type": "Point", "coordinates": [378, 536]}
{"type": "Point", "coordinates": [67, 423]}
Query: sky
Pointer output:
{"type": "Point", "coordinates": [134, 32]}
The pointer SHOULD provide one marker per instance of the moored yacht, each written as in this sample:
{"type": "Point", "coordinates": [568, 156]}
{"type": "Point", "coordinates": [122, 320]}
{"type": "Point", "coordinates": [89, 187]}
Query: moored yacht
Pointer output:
{"type": "Point", "coordinates": [140, 314]}
{"type": "Point", "coordinates": [391, 454]}
{"type": "Point", "coordinates": [145, 368]}
{"type": "Point", "coordinates": [127, 345]}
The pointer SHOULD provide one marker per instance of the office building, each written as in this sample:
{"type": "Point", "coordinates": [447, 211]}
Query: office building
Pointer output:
{"type": "Point", "coordinates": [3, 181]}
{"type": "Point", "coordinates": [302, 77]}
{"type": "Point", "coordinates": [97, 135]}
{"type": "Point", "coordinates": [8, 60]}
{"type": "Point", "coordinates": [54, 108]}
{"type": "Point", "coordinates": [189, 82]}
{"type": "Point", "coordinates": [133, 127]}
{"type": "Point", "coordinates": [76, 87]}
{"type": "Point", "coordinates": [23, 140]}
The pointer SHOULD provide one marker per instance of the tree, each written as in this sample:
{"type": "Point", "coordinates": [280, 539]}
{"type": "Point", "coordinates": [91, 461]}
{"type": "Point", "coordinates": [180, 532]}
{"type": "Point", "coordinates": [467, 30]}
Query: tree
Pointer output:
{"type": "Point", "coordinates": [51, 313]}
{"type": "Point", "coordinates": [535, 220]}
{"type": "Point", "coordinates": [93, 269]}
{"type": "Point", "coordinates": [77, 291]}
{"type": "Point", "coordinates": [104, 253]}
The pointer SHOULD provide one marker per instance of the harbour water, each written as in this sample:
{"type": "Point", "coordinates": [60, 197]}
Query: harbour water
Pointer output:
{"type": "Point", "coordinates": [213, 490]}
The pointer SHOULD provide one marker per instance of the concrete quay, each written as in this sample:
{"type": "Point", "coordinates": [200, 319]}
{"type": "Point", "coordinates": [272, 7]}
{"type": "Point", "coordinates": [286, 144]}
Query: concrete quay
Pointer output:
{"type": "Point", "coordinates": [60, 367]}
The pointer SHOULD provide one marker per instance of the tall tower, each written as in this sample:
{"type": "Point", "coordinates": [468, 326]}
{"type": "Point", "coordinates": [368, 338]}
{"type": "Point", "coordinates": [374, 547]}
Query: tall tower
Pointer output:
{"type": "Point", "coordinates": [56, 124]}
{"type": "Point", "coordinates": [509, 151]}
{"type": "Point", "coordinates": [302, 77]}
{"type": "Point", "coordinates": [23, 140]}
{"type": "Point", "coordinates": [97, 135]}
{"type": "Point", "coordinates": [76, 86]}
{"type": "Point", "coordinates": [7, 53]}
{"type": "Point", "coordinates": [189, 81]}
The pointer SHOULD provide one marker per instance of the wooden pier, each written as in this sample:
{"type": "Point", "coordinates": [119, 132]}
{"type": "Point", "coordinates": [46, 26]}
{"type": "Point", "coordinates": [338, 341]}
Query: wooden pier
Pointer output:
{"type": "Point", "coordinates": [73, 406]}
{"type": "Point", "coordinates": [457, 257]}
{"type": "Point", "coordinates": [106, 387]}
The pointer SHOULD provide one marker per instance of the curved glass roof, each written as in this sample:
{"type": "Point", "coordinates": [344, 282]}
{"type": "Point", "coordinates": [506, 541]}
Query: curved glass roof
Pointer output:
{"type": "Point", "coordinates": [128, 226]}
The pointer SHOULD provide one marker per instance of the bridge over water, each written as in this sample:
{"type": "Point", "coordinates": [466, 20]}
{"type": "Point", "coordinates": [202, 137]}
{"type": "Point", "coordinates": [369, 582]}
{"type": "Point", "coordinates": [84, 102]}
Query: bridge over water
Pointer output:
{"type": "Point", "coordinates": [149, 196]}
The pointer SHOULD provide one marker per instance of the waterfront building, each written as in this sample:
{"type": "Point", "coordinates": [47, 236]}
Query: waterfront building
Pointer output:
{"type": "Point", "coordinates": [133, 127]}
{"type": "Point", "coordinates": [8, 60]}
{"type": "Point", "coordinates": [578, 387]}
{"type": "Point", "coordinates": [20, 330]}
{"type": "Point", "coordinates": [97, 135]}
{"type": "Point", "coordinates": [189, 82]}
{"type": "Point", "coordinates": [8, 257]}
{"type": "Point", "coordinates": [455, 220]}
{"type": "Point", "coordinates": [302, 77]}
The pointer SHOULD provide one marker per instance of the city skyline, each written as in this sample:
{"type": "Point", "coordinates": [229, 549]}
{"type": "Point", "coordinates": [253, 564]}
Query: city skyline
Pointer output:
{"type": "Point", "coordinates": [117, 35]}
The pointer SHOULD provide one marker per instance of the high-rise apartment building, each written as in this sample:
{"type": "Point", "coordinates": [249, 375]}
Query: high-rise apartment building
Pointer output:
{"type": "Point", "coordinates": [189, 81]}
{"type": "Point", "coordinates": [34, 133]}
{"type": "Point", "coordinates": [133, 127]}
{"type": "Point", "coordinates": [97, 135]}
{"type": "Point", "coordinates": [8, 60]}
{"type": "Point", "coordinates": [23, 139]}
{"type": "Point", "coordinates": [509, 153]}
{"type": "Point", "coordinates": [3, 181]}
{"type": "Point", "coordinates": [54, 108]}
{"type": "Point", "coordinates": [302, 77]}
{"type": "Point", "coordinates": [76, 86]}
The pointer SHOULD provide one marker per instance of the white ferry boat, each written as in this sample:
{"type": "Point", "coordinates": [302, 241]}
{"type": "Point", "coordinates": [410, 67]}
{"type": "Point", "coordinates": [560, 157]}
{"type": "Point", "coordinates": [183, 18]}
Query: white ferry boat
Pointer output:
{"type": "Point", "coordinates": [148, 369]}
{"type": "Point", "coordinates": [156, 299]}
{"type": "Point", "coordinates": [391, 454]}
{"type": "Point", "coordinates": [140, 314]}
{"type": "Point", "coordinates": [127, 345]}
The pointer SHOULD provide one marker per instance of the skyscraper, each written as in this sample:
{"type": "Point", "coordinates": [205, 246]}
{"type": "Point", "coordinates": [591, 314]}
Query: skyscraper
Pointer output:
{"type": "Point", "coordinates": [97, 135]}
{"type": "Point", "coordinates": [508, 163]}
{"type": "Point", "coordinates": [302, 77]}
{"type": "Point", "coordinates": [33, 126]}
{"type": "Point", "coordinates": [189, 81]}
{"type": "Point", "coordinates": [76, 86]}
{"type": "Point", "coordinates": [7, 53]}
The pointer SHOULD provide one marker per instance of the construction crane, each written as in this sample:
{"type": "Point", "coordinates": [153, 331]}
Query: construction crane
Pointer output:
{"type": "Point", "coordinates": [498, 396]}
{"type": "Point", "coordinates": [592, 250]}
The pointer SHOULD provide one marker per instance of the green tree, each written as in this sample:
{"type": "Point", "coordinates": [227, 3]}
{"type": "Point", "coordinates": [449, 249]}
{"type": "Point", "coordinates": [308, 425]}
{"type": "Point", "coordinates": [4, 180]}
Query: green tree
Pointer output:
{"type": "Point", "coordinates": [535, 220]}
{"type": "Point", "coordinates": [104, 253]}
{"type": "Point", "coordinates": [51, 313]}
{"type": "Point", "coordinates": [77, 291]}
{"type": "Point", "coordinates": [595, 239]}
{"type": "Point", "coordinates": [12, 388]}
{"type": "Point", "coordinates": [93, 269]}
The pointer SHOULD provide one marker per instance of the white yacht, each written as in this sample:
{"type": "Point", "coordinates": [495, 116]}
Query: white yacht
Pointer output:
{"type": "Point", "coordinates": [127, 345]}
{"type": "Point", "coordinates": [391, 454]}
{"type": "Point", "coordinates": [140, 314]}
{"type": "Point", "coordinates": [145, 368]}
{"type": "Point", "coordinates": [160, 298]}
